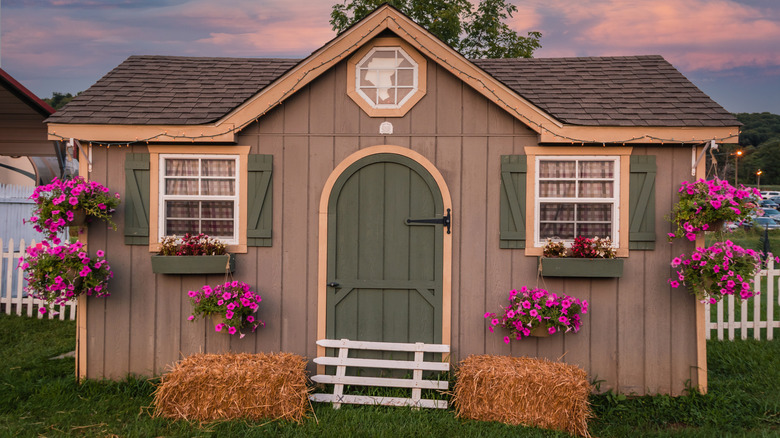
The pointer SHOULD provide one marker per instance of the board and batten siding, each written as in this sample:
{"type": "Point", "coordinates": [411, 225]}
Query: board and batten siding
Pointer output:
{"type": "Point", "coordinates": [639, 335]}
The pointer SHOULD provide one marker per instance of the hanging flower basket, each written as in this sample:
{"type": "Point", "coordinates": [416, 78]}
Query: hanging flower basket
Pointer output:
{"type": "Point", "coordinates": [231, 307]}
{"type": "Point", "coordinates": [60, 273]}
{"type": "Point", "coordinates": [71, 202]}
{"type": "Point", "coordinates": [705, 205]}
{"type": "Point", "coordinates": [537, 312]}
{"type": "Point", "coordinates": [719, 270]}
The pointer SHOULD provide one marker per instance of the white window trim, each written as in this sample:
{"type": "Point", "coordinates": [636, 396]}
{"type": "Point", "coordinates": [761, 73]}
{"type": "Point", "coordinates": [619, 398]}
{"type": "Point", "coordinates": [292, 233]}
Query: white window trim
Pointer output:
{"type": "Point", "coordinates": [614, 200]}
{"type": "Point", "coordinates": [415, 76]}
{"type": "Point", "coordinates": [235, 197]}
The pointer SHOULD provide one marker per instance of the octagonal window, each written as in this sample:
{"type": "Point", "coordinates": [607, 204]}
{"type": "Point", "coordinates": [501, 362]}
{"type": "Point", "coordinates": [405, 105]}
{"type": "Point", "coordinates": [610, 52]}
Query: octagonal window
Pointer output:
{"type": "Point", "coordinates": [386, 77]}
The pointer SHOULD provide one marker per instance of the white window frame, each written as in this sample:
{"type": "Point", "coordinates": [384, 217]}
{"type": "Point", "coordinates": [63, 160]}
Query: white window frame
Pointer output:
{"type": "Point", "coordinates": [163, 197]}
{"type": "Point", "coordinates": [359, 67]}
{"type": "Point", "coordinates": [614, 200]}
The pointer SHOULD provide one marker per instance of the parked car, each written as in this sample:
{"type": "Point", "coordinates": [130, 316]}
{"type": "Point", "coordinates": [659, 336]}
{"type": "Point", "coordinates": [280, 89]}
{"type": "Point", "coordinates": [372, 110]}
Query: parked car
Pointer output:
{"type": "Point", "coordinates": [767, 203]}
{"type": "Point", "coordinates": [771, 212]}
{"type": "Point", "coordinates": [763, 222]}
{"type": "Point", "coordinates": [775, 199]}
{"type": "Point", "coordinates": [769, 194]}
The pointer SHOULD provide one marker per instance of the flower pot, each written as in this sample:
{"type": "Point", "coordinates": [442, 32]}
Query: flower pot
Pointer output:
{"type": "Point", "coordinates": [204, 264]}
{"type": "Point", "coordinates": [79, 218]}
{"type": "Point", "coordinates": [577, 267]}
{"type": "Point", "coordinates": [217, 318]}
{"type": "Point", "coordinates": [540, 331]}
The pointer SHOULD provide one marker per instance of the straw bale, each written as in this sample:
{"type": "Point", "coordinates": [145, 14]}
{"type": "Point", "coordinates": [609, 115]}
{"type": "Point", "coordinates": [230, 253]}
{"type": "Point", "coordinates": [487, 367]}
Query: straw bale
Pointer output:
{"type": "Point", "coordinates": [209, 387]}
{"type": "Point", "coordinates": [523, 390]}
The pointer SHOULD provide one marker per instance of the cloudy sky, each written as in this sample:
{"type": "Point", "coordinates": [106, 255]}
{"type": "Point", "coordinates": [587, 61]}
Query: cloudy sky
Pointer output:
{"type": "Point", "coordinates": [728, 48]}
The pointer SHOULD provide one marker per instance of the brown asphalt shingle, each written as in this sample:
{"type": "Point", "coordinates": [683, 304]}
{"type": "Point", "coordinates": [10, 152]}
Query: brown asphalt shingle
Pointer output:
{"type": "Point", "coordinates": [594, 91]}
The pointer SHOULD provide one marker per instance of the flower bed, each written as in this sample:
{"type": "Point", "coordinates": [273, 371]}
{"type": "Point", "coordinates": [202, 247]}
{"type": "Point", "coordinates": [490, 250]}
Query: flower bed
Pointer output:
{"type": "Point", "coordinates": [192, 254]}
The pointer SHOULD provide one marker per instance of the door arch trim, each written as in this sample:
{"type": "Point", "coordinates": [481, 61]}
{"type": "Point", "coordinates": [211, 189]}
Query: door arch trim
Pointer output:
{"type": "Point", "coordinates": [322, 276]}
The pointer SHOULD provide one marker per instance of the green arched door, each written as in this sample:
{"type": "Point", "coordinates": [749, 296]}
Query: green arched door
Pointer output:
{"type": "Point", "coordinates": [385, 273]}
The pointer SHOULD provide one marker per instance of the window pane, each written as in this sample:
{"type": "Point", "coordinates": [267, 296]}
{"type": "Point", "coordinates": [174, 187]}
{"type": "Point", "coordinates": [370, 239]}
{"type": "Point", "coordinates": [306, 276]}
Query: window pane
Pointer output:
{"type": "Point", "coordinates": [556, 212]}
{"type": "Point", "coordinates": [217, 228]}
{"type": "Point", "coordinates": [594, 230]}
{"type": "Point", "coordinates": [594, 212]}
{"type": "Point", "coordinates": [180, 227]}
{"type": "Point", "coordinates": [597, 169]}
{"type": "Point", "coordinates": [556, 231]}
{"type": "Point", "coordinates": [596, 189]}
{"type": "Point", "coordinates": [181, 209]}
{"type": "Point", "coordinates": [181, 167]}
{"type": "Point", "coordinates": [218, 187]}
{"type": "Point", "coordinates": [405, 78]}
{"type": "Point", "coordinates": [219, 168]}
{"type": "Point", "coordinates": [402, 93]}
{"type": "Point", "coordinates": [181, 187]}
{"type": "Point", "coordinates": [217, 209]}
{"type": "Point", "coordinates": [557, 169]}
{"type": "Point", "coordinates": [556, 189]}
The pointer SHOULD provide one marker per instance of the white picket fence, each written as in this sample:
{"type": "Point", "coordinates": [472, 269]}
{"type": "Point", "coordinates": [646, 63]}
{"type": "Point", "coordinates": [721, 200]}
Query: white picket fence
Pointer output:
{"type": "Point", "coordinates": [726, 323]}
{"type": "Point", "coordinates": [13, 298]}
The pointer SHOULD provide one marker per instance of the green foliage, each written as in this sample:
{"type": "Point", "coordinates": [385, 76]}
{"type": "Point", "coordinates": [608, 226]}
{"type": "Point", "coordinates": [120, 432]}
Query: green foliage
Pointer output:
{"type": "Point", "coordinates": [486, 33]}
{"type": "Point", "coordinates": [59, 100]}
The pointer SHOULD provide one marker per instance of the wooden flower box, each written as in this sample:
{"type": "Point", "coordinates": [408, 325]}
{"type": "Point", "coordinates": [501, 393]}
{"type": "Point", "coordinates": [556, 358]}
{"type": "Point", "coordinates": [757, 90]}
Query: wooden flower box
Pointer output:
{"type": "Point", "coordinates": [577, 267]}
{"type": "Point", "coordinates": [203, 264]}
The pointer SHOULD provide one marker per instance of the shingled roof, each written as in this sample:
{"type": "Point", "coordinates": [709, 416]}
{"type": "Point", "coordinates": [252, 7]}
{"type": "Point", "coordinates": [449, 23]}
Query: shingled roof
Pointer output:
{"type": "Point", "coordinates": [593, 91]}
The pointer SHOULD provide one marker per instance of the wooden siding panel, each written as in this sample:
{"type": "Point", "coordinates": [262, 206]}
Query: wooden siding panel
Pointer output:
{"type": "Point", "coordinates": [631, 319]}
{"type": "Point", "coordinates": [682, 328]}
{"type": "Point", "coordinates": [117, 305]}
{"type": "Point", "coordinates": [168, 321]}
{"type": "Point", "coordinates": [294, 243]}
{"type": "Point", "coordinates": [321, 164]}
{"type": "Point", "coordinates": [97, 307]}
{"type": "Point", "coordinates": [657, 297]}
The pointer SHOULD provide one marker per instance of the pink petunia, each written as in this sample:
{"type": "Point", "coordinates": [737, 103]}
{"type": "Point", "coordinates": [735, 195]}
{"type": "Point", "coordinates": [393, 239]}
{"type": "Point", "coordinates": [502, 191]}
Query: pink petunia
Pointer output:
{"type": "Point", "coordinates": [232, 330]}
{"type": "Point", "coordinates": [506, 339]}
{"type": "Point", "coordinates": [100, 253]}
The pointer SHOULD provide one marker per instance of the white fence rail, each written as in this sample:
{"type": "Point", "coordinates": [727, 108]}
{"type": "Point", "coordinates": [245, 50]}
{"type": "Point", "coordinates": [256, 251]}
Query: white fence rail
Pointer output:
{"type": "Point", "coordinates": [13, 298]}
{"type": "Point", "coordinates": [416, 366]}
{"type": "Point", "coordinates": [730, 316]}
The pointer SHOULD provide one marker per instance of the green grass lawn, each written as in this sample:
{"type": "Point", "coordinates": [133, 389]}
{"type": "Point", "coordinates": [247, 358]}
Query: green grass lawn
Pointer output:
{"type": "Point", "coordinates": [39, 397]}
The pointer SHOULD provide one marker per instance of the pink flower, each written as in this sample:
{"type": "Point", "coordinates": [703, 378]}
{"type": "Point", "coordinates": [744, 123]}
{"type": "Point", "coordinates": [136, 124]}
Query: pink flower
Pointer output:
{"type": "Point", "coordinates": [494, 321]}
{"type": "Point", "coordinates": [551, 330]}
{"type": "Point", "coordinates": [100, 253]}
{"type": "Point", "coordinates": [191, 317]}
{"type": "Point", "coordinates": [218, 327]}
{"type": "Point", "coordinates": [73, 200]}
{"type": "Point", "coordinates": [250, 318]}
{"type": "Point", "coordinates": [506, 339]}
{"type": "Point", "coordinates": [232, 330]}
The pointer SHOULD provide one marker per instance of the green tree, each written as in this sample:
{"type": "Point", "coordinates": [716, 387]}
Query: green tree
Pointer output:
{"type": "Point", "coordinates": [476, 33]}
{"type": "Point", "coordinates": [58, 100]}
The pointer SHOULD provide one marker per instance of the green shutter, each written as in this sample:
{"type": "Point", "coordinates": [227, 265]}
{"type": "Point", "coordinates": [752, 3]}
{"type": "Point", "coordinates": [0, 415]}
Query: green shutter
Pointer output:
{"type": "Point", "coordinates": [136, 199]}
{"type": "Point", "coordinates": [512, 213]}
{"type": "Point", "coordinates": [641, 210]}
{"type": "Point", "coordinates": [260, 198]}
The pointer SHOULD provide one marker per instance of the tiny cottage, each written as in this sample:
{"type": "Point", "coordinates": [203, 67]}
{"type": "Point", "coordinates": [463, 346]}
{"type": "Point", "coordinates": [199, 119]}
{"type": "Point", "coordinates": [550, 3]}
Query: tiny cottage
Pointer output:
{"type": "Point", "coordinates": [386, 188]}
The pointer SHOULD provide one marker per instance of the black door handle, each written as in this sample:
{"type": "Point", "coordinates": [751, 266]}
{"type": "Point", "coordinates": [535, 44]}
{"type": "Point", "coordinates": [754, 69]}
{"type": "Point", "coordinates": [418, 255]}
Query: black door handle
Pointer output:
{"type": "Point", "coordinates": [333, 284]}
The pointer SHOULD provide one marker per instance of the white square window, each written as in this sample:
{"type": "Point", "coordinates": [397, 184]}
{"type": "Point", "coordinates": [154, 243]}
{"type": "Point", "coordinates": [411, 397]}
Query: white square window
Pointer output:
{"type": "Point", "coordinates": [576, 196]}
{"type": "Point", "coordinates": [199, 194]}
{"type": "Point", "coordinates": [386, 77]}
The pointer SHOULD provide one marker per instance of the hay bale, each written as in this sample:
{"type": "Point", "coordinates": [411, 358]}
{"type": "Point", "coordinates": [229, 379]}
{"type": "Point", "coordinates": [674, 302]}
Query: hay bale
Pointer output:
{"type": "Point", "coordinates": [209, 387]}
{"type": "Point", "coordinates": [523, 390]}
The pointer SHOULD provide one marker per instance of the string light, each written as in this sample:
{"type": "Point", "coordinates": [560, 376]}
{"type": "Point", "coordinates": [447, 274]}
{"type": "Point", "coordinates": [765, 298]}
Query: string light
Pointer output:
{"type": "Point", "coordinates": [497, 98]}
